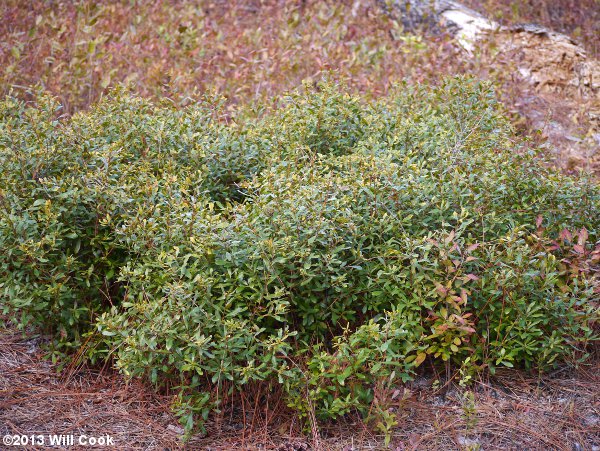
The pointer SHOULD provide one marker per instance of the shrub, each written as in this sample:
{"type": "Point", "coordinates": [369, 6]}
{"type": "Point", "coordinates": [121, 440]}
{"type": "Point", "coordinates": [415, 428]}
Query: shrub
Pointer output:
{"type": "Point", "coordinates": [329, 247]}
{"type": "Point", "coordinates": [69, 186]}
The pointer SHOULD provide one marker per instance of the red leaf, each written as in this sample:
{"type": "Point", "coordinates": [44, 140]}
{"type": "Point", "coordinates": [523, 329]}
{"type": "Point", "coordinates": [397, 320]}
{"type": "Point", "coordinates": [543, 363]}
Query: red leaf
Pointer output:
{"type": "Point", "coordinates": [449, 238]}
{"type": "Point", "coordinates": [538, 221]}
{"type": "Point", "coordinates": [583, 236]}
{"type": "Point", "coordinates": [441, 289]}
{"type": "Point", "coordinates": [566, 235]}
{"type": "Point", "coordinates": [459, 319]}
{"type": "Point", "coordinates": [472, 277]}
{"type": "Point", "coordinates": [472, 247]}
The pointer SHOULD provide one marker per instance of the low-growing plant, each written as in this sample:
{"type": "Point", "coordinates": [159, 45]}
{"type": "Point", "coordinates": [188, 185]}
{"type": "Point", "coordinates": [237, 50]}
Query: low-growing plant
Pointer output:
{"type": "Point", "coordinates": [329, 247]}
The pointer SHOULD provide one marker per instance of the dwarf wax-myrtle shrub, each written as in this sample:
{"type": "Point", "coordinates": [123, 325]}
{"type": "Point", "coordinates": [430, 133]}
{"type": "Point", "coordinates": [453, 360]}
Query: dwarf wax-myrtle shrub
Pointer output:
{"type": "Point", "coordinates": [329, 246]}
{"type": "Point", "coordinates": [70, 186]}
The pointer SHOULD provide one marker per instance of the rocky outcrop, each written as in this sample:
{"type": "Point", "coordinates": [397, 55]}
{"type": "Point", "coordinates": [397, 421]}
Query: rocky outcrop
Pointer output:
{"type": "Point", "coordinates": [560, 91]}
{"type": "Point", "coordinates": [548, 60]}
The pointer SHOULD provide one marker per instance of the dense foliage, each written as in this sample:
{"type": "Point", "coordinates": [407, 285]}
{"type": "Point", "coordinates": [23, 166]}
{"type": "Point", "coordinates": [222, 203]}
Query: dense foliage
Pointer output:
{"type": "Point", "coordinates": [246, 49]}
{"type": "Point", "coordinates": [330, 246]}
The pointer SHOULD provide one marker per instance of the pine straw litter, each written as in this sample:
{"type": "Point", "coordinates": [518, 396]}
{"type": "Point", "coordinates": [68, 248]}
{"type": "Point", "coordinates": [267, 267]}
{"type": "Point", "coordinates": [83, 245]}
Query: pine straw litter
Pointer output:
{"type": "Point", "coordinates": [514, 410]}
